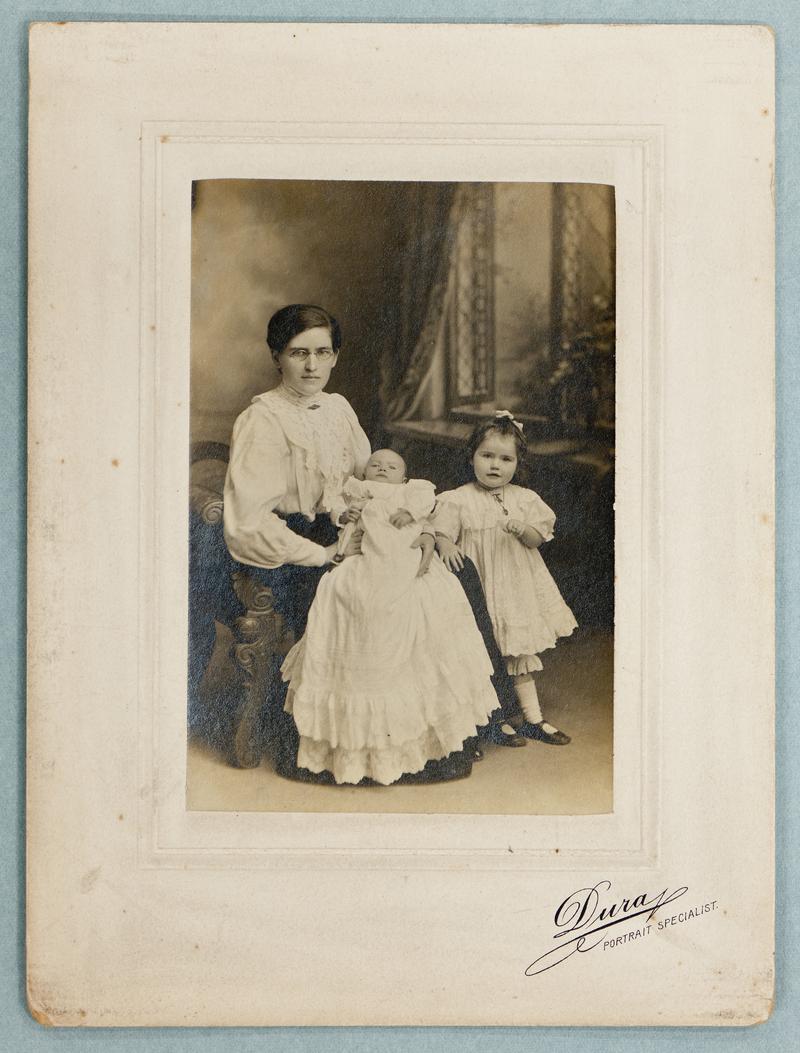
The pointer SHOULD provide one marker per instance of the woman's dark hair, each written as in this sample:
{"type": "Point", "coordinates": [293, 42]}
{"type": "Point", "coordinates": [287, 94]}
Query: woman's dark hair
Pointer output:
{"type": "Point", "coordinates": [503, 426]}
{"type": "Point", "coordinates": [290, 321]}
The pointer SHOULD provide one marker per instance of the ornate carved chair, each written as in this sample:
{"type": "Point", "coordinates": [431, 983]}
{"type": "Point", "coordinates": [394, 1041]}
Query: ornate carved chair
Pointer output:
{"type": "Point", "coordinates": [223, 592]}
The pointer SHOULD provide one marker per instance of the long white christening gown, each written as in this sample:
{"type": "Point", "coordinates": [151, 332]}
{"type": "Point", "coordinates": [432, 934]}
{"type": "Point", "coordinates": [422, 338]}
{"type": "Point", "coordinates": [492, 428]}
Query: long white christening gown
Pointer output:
{"type": "Point", "coordinates": [392, 670]}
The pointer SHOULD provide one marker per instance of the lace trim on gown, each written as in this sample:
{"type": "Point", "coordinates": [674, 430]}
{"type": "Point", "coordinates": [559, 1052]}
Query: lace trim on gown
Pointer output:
{"type": "Point", "coordinates": [327, 438]}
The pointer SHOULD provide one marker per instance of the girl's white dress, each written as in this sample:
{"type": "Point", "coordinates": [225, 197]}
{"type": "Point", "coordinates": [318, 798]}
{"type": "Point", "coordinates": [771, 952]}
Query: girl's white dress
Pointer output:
{"type": "Point", "coordinates": [528, 612]}
{"type": "Point", "coordinates": [392, 671]}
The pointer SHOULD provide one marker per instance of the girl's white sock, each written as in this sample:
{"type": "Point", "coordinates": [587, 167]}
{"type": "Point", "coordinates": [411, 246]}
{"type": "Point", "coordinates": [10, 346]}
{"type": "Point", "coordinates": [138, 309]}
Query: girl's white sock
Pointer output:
{"type": "Point", "coordinates": [528, 696]}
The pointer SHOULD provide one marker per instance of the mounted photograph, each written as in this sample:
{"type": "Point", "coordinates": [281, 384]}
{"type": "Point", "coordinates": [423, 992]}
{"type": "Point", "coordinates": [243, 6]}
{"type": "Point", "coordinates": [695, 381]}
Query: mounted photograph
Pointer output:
{"type": "Point", "coordinates": [401, 452]}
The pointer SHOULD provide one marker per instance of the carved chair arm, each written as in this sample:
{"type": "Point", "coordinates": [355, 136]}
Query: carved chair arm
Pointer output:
{"type": "Point", "coordinates": [206, 503]}
{"type": "Point", "coordinates": [260, 640]}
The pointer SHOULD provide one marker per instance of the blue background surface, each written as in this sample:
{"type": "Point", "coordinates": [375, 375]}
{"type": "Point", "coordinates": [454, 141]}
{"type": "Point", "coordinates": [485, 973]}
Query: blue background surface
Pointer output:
{"type": "Point", "coordinates": [17, 1030]}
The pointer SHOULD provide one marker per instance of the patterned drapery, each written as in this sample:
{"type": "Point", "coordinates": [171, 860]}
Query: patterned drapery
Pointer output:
{"type": "Point", "coordinates": [446, 300]}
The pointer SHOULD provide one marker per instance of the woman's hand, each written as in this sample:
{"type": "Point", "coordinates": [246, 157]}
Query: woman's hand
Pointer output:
{"type": "Point", "coordinates": [452, 556]}
{"type": "Point", "coordinates": [426, 543]}
{"type": "Point", "coordinates": [401, 518]}
{"type": "Point", "coordinates": [350, 515]}
{"type": "Point", "coordinates": [353, 547]}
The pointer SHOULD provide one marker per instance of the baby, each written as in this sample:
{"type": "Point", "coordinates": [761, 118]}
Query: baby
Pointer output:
{"type": "Point", "coordinates": [384, 466]}
{"type": "Point", "coordinates": [392, 671]}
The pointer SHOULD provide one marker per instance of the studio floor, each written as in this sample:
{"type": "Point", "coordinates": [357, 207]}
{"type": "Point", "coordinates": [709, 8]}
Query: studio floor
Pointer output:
{"type": "Point", "coordinates": [576, 692]}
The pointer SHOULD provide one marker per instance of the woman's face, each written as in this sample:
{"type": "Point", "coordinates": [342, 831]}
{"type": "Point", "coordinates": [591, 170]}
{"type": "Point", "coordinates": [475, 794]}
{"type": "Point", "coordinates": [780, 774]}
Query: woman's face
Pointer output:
{"type": "Point", "coordinates": [495, 460]}
{"type": "Point", "coordinates": [307, 360]}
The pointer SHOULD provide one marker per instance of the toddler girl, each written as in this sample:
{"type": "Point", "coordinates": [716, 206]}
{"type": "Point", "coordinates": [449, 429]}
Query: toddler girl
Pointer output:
{"type": "Point", "coordinates": [500, 527]}
{"type": "Point", "coordinates": [392, 672]}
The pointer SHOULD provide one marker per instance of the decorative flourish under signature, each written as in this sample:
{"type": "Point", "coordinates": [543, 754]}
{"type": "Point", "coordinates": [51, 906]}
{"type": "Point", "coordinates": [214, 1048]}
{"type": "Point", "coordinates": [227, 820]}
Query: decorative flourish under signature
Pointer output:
{"type": "Point", "coordinates": [580, 917]}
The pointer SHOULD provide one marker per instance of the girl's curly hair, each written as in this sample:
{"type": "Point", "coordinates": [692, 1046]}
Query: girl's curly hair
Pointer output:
{"type": "Point", "coordinates": [501, 425]}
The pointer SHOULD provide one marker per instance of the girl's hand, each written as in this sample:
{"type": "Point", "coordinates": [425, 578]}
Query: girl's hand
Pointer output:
{"type": "Point", "coordinates": [426, 543]}
{"type": "Point", "coordinates": [452, 556]}
{"type": "Point", "coordinates": [350, 515]}
{"type": "Point", "coordinates": [401, 518]}
{"type": "Point", "coordinates": [529, 536]}
{"type": "Point", "coordinates": [515, 527]}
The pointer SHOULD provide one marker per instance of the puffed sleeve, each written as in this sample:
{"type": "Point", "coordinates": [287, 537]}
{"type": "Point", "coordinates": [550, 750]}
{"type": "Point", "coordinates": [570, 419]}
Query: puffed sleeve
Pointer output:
{"type": "Point", "coordinates": [446, 518]}
{"type": "Point", "coordinates": [419, 498]}
{"type": "Point", "coordinates": [534, 512]}
{"type": "Point", "coordinates": [359, 443]}
{"type": "Point", "coordinates": [255, 484]}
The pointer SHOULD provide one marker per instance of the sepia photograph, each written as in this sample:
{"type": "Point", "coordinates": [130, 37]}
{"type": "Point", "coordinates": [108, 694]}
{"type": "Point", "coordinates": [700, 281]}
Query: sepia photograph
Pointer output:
{"type": "Point", "coordinates": [401, 454]}
{"type": "Point", "coordinates": [401, 521]}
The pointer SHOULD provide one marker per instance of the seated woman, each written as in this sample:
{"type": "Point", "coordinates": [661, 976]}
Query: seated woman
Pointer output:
{"type": "Point", "coordinates": [291, 451]}
{"type": "Point", "coordinates": [392, 673]}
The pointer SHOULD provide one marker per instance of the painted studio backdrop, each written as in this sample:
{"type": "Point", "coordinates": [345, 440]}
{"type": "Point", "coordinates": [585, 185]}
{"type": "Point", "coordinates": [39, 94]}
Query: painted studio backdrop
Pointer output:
{"type": "Point", "coordinates": [455, 299]}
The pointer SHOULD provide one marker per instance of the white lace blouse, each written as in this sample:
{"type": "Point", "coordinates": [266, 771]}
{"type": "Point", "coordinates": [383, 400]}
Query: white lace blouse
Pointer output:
{"type": "Point", "coordinates": [289, 453]}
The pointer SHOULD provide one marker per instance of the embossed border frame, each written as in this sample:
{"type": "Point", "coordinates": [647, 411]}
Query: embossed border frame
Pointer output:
{"type": "Point", "coordinates": [173, 155]}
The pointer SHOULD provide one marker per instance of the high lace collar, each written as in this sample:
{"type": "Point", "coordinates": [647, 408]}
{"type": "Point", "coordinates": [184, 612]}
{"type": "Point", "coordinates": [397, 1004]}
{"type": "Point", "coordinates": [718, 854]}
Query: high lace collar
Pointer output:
{"type": "Point", "coordinates": [325, 448]}
{"type": "Point", "coordinates": [296, 399]}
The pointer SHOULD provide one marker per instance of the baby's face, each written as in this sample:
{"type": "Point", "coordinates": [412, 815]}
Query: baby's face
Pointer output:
{"type": "Point", "coordinates": [385, 466]}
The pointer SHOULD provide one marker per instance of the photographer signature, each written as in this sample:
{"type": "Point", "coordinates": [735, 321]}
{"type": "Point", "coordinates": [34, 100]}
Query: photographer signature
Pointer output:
{"type": "Point", "coordinates": [581, 921]}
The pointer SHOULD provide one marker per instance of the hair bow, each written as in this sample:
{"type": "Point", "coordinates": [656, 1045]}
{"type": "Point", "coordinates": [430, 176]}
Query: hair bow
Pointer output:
{"type": "Point", "coordinates": [506, 413]}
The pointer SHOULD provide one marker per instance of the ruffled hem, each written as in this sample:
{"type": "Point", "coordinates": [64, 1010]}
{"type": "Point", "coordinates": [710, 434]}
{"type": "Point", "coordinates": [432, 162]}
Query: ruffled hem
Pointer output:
{"type": "Point", "coordinates": [528, 661]}
{"type": "Point", "coordinates": [402, 714]}
{"type": "Point", "coordinates": [532, 639]}
{"type": "Point", "coordinates": [518, 664]}
{"type": "Point", "coordinates": [386, 765]}
{"type": "Point", "coordinates": [389, 723]}
{"type": "Point", "coordinates": [342, 697]}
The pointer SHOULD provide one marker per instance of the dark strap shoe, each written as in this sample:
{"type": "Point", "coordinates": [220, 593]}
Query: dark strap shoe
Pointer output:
{"type": "Point", "coordinates": [537, 732]}
{"type": "Point", "coordinates": [494, 733]}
